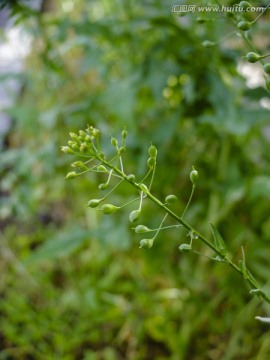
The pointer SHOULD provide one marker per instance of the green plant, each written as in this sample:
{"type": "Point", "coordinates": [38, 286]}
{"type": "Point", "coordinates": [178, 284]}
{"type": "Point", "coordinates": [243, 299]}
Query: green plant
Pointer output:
{"type": "Point", "coordinates": [86, 144]}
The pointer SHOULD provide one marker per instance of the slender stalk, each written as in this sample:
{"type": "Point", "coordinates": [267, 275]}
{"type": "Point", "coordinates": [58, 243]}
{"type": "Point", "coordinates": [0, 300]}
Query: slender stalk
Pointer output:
{"type": "Point", "coordinates": [189, 201]}
{"type": "Point", "coordinates": [251, 281]}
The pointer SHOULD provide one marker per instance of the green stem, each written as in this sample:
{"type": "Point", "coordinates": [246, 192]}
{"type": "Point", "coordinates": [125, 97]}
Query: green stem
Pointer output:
{"type": "Point", "coordinates": [251, 281]}
{"type": "Point", "coordinates": [189, 200]}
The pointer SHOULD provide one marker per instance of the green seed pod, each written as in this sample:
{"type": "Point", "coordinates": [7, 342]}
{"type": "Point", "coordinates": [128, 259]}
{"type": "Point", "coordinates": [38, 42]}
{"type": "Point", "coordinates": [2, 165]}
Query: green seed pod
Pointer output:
{"type": "Point", "coordinates": [94, 203]}
{"type": "Point", "coordinates": [151, 162]}
{"type": "Point", "coordinates": [140, 229]}
{"type": "Point", "coordinates": [108, 209]}
{"type": "Point", "coordinates": [266, 68]}
{"type": "Point", "coordinates": [208, 43]}
{"type": "Point", "coordinates": [114, 142]}
{"type": "Point", "coordinates": [124, 134]}
{"type": "Point", "coordinates": [252, 57]}
{"type": "Point", "coordinates": [152, 151]}
{"type": "Point", "coordinates": [144, 187]}
{"type": "Point", "coordinates": [170, 199]}
{"type": "Point", "coordinates": [194, 176]}
{"type": "Point", "coordinates": [101, 168]}
{"type": "Point", "coordinates": [121, 150]}
{"type": "Point", "coordinates": [244, 25]}
{"type": "Point", "coordinates": [146, 243]}
{"type": "Point", "coordinates": [71, 175]}
{"type": "Point", "coordinates": [244, 4]}
{"type": "Point", "coordinates": [67, 150]}
{"type": "Point", "coordinates": [134, 215]}
{"type": "Point", "coordinates": [103, 186]}
{"type": "Point", "coordinates": [79, 165]}
{"type": "Point", "coordinates": [131, 177]}
{"type": "Point", "coordinates": [185, 247]}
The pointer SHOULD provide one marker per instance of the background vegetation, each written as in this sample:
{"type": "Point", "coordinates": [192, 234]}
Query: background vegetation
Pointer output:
{"type": "Point", "coordinates": [74, 284]}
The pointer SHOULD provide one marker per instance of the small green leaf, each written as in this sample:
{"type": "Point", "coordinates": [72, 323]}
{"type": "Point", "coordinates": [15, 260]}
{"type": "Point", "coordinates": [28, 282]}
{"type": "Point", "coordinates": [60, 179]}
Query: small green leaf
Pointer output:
{"type": "Point", "coordinates": [219, 242]}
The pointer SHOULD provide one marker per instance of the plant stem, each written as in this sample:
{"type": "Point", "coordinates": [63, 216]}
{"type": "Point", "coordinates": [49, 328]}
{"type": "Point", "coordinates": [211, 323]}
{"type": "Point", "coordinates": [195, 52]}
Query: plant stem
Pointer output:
{"type": "Point", "coordinates": [252, 282]}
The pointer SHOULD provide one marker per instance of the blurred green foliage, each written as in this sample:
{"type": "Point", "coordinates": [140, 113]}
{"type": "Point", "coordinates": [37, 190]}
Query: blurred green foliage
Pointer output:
{"type": "Point", "coordinates": [74, 285]}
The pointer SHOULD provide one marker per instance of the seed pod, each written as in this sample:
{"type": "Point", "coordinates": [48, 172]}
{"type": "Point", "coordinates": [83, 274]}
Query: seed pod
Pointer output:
{"type": "Point", "coordinates": [124, 134]}
{"type": "Point", "coordinates": [94, 203]}
{"type": "Point", "coordinates": [134, 215]}
{"type": "Point", "coordinates": [101, 168]}
{"type": "Point", "coordinates": [103, 186]}
{"type": "Point", "coordinates": [151, 162]}
{"type": "Point", "coordinates": [185, 247]}
{"type": "Point", "coordinates": [170, 199]}
{"type": "Point", "coordinates": [194, 176]}
{"type": "Point", "coordinates": [79, 165]}
{"type": "Point", "coordinates": [131, 177]}
{"type": "Point", "coordinates": [252, 57]}
{"type": "Point", "coordinates": [114, 142]}
{"type": "Point", "coordinates": [152, 151]}
{"type": "Point", "coordinates": [146, 243]}
{"type": "Point", "coordinates": [140, 229]}
{"type": "Point", "coordinates": [67, 150]}
{"type": "Point", "coordinates": [144, 187]}
{"type": "Point", "coordinates": [244, 25]}
{"type": "Point", "coordinates": [71, 175]}
{"type": "Point", "coordinates": [244, 4]}
{"type": "Point", "coordinates": [266, 68]}
{"type": "Point", "coordinates": [121, 150]}
{"type": "Point", "coordinates": [108, 209]}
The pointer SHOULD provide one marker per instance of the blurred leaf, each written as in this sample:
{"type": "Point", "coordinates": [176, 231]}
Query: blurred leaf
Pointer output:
{"type": "Point", "coordinates": [63, 244]}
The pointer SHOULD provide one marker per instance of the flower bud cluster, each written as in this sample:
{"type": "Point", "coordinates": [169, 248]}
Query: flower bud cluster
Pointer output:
{"type": "Point", "coordinates": [85, 142]}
